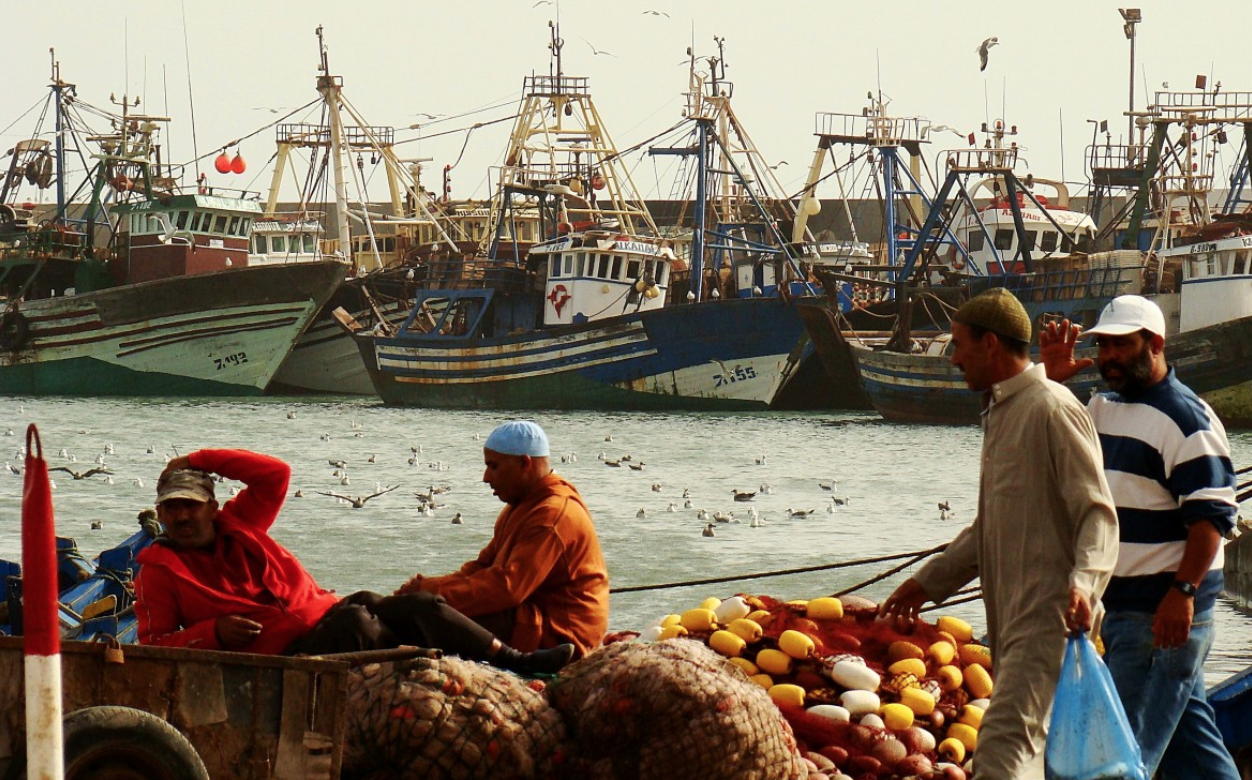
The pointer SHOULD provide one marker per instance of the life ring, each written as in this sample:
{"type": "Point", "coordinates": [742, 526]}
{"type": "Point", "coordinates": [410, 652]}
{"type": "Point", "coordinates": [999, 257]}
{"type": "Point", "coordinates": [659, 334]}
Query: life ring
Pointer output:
{"type": "Point", "coordinates": [14, 330]}
{"type": "Point", "coordinates": [958, 264]}
{"type": "Point", "coordinates": [123, 742]}
{"type": "Point", "coordinates": [122, 183]}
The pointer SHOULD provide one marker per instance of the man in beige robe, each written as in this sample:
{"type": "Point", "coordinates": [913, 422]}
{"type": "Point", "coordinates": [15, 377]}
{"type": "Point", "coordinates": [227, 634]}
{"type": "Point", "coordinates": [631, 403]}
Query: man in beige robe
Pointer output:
{"type": "Point", "coordinates": [1044, 541]}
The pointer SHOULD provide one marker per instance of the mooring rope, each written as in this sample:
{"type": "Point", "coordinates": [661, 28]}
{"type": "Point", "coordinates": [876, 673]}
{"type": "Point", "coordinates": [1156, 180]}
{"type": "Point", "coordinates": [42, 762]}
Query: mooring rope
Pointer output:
{"type": "Point", "coordinates": [912, 558]}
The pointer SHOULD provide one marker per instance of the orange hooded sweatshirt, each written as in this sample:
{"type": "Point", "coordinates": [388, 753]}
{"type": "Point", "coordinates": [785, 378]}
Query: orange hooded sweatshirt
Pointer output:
{"type": "Point", "coordinates": [544, 559]}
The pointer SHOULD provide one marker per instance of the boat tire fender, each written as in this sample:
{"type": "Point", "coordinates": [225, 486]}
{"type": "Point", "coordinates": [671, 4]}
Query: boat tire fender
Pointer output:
{"type": "Point", "coordinates": [128, 742]}
{"type": "Point", "coordinates": [14, 330]}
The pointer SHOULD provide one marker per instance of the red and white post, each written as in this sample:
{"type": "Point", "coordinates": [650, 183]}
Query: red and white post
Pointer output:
{"type": "Point", "coordinates": [44, 753]}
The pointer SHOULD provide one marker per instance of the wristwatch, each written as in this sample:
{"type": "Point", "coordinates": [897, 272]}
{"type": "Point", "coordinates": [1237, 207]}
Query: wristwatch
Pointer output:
{"type": "Point", "coordinates": [1185, 588]}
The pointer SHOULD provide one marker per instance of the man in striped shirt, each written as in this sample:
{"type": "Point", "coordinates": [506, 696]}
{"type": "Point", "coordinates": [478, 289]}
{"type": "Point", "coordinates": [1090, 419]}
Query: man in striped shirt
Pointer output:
{"type": "Point", "coordinates": [1168, 465]}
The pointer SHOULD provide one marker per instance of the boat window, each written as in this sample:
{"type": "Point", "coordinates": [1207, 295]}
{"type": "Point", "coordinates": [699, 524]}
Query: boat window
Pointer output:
{"type": "Point", "coordinates": [617, 267]}
{"type": "Point", "coordinates": [569, 263]}
{"type": "Point", "coordinates": [1085, 241]}
{"type": "Point", "coordinates": [581, 268]}
{"type": "Point", "coordinates": [278, 244]}
{"type": "Point", "coordinates": [977, 240]}
{"type": "Point", "coordinates": [260, 245]}
{"type": "Point", "coordinates": [1048, 241]}
{"type": "Point", "coordinates": [219, 225]}
{"type": "Point", "coordinates": [661, 268]}
{"type": "Point", "coordinates": [310, 243]}
{"type": "Point", "coordinates": [603, 271]}
{"type": "Point", "coordinates": [246, 227]}
{"type": "Point", "coordinates": [554, 264]}
{"type": "Point", "coordinates": [1029, 244]}
{"type": "Point", "coordinates": [1241, 262]}
{"type": "Point", "coordinates": [1004, 239]}
{"type": "Point", "coordinates": [181, 220]}
{"type": "Point", "coordinates": [1213, 269]}
{"type": "Point", "coordinates": [523, 230]}
{"type": "Point", "coordinates": [632, 269]}
{"type": "Point", "coordinates": [234, 226]}
{"type": "Point", "coordinates": [1067, 244]}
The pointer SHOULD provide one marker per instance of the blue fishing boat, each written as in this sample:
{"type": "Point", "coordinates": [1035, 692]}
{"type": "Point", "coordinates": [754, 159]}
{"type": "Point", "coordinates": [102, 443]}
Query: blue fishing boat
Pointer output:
{"type": "Point", "coordinates": [603, 312]}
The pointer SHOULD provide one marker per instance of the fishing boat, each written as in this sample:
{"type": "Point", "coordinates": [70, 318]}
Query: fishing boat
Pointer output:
{"type": "Point", "coordinates": [147, 290]}
{"type": "Point", "coordinates": [1197, 271]}
{"type": "Point", "coordinates": [602, 313]}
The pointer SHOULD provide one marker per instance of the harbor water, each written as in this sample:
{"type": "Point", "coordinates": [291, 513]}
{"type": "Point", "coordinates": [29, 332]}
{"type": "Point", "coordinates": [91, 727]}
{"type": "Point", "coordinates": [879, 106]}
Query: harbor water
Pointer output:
{"type": "Point", "coordinates": [890, 479]}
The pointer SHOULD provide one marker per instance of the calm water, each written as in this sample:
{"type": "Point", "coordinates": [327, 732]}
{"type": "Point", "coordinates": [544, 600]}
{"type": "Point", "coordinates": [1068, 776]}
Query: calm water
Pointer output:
{"type": "Point", "coordinates": [892, 476]}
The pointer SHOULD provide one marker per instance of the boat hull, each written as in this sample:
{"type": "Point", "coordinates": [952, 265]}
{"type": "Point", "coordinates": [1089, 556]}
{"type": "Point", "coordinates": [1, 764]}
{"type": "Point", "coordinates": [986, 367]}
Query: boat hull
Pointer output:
{"type": "Point", "coordinates": [213, 334]}
{"type": "Point", "coordinates": [718, 356]}
{"type": "Point", "coordinates": [1215, 361]}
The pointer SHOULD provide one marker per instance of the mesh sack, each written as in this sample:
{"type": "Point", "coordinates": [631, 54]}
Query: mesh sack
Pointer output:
{"type": "Point", "coordinates": [447, 718]}
{"type": "Point", "coordinates": [656, 711]}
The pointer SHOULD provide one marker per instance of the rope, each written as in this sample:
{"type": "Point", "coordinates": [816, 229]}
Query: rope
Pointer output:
{"type": "Point", "coordinates": [912, 556]}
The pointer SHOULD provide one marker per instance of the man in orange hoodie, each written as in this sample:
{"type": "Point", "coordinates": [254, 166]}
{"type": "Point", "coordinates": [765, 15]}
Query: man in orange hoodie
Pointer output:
{"type": "Point", "coordinates": [216, 580]}
{"type": "Point", "coordinates": [541, 581]}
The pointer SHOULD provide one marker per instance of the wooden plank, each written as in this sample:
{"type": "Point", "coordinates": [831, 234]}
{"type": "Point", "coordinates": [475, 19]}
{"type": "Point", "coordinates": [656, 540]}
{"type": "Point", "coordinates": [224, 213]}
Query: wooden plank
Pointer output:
{"type": "Point", "coordinates": [289, 764]}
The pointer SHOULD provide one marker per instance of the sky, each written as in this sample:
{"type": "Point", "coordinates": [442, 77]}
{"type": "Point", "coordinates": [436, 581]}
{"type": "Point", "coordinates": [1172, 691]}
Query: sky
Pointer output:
{"type": "Point", "coordinates": [1057, 66]}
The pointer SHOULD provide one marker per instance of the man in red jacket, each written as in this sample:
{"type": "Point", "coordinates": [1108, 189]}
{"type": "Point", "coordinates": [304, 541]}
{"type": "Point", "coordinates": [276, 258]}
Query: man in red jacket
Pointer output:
{"type": "Point", "coordinates": [216, 580]}
{"type": "Point", "coordinates": [541, 580]}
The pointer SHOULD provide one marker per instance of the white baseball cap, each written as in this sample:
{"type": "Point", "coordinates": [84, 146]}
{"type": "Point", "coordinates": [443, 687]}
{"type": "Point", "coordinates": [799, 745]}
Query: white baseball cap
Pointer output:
{"type": "Point", "coordinates": [1129, 314]}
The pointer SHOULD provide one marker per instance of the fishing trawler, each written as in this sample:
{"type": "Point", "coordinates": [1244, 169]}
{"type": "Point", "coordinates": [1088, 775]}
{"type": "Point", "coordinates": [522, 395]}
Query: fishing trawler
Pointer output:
{"type": "Point", "coordinates": [144, 288]}
{"type": "Point", "coordinates": [592, 318]}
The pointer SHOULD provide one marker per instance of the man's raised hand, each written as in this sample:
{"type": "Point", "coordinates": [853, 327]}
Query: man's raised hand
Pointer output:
{"type": "Point", "coordinates": [1056, 351]}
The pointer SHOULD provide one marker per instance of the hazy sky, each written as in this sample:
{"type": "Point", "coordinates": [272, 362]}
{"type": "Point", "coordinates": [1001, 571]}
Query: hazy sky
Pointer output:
{"type": "Point", "coordinates": [1057, 65]}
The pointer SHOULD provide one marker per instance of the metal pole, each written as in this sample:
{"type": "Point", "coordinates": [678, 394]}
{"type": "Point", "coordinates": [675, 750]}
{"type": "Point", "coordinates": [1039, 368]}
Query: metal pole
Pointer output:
{"type": "Point", "coordinates": [1130, 120]}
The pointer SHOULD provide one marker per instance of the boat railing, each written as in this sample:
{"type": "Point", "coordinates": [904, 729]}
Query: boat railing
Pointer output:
{"type": "Point", "coordinates": [981, 160]}
{"type": "Point", "coordinates": [308, 134]}
{"type": "Point", "coordinates": [871, 129]}
{"type": "Point", "coordinates": [549, 86]}
{"type": "Point", "coordinates": [1068, 284]}
{"type": "Point", "coordinates": [1185, 184]}
{"type": "Point", "coordinates": [1115, 157]}
{"type": "Point", "coordinates": [1218, 106]}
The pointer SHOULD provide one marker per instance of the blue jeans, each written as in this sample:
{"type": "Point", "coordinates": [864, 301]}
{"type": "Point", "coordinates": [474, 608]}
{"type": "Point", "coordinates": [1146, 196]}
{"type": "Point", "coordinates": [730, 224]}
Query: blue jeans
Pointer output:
{"type": "Point", "coordinates": [1163, 693]}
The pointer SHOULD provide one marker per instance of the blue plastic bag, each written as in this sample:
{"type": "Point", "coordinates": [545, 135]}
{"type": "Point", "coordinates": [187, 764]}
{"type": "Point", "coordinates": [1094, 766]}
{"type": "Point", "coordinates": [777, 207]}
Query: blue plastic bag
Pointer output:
{"type": "Point", "coordinates": [1089, 737]}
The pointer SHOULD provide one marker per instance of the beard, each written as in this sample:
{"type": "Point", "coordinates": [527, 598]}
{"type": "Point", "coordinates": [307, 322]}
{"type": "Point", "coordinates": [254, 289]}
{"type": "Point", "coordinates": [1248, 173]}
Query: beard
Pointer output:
{"type": "Point", "coordinates": [1132, 376]}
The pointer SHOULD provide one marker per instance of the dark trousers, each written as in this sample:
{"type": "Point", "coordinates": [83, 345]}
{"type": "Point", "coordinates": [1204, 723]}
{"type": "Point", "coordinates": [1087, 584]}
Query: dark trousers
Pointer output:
{"type": "Point", "coordinates": [370, 621]}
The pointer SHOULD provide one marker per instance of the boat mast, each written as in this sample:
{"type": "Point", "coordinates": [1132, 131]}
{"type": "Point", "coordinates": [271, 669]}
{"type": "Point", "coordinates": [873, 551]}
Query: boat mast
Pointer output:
{"type": "Point", "coordinates": [330, 87]}
{"type": "Point", "coordinates": [58, 89]}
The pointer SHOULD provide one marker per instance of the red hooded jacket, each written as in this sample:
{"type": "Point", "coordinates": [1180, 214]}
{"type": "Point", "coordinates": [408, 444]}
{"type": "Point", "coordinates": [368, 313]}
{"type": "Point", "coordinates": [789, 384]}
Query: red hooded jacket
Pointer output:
{"type": "Point", "coordinates": [180, 597]}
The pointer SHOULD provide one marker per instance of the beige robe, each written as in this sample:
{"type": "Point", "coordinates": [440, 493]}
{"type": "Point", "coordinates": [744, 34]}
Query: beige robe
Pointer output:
{"type": "Point", "coordinates": [1046, 522]}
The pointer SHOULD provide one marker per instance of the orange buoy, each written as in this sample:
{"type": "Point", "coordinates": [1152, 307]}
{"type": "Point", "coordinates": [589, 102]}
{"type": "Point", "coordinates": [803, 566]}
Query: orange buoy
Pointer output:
{"type": "Point", "coordinates": [597, 182]}
{"type": "Point", "coordinates": [222, 163]}
{"type": "Point", "coordinates": [238, 165]}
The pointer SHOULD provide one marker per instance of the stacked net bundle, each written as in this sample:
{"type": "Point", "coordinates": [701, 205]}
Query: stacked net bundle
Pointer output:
{"type": "Point", "coordinates": [429, 719]}
{"type": "Point", "coordinates": [665, 710]}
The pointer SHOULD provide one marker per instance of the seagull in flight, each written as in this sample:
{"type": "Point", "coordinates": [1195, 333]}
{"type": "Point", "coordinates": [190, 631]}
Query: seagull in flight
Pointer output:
{"type": "Point", "coordinates": [983, 49]}
{"type": "Point", "coordinates": [656, 13]}
{"type": "Point", "coordinates": [950, 129]}
{"type": "Point", "coordinates": [82, 474]}
{"type": "Point", "coordinates": [358, 502]}
{"type": "Point", "coordinates": [594, 50]}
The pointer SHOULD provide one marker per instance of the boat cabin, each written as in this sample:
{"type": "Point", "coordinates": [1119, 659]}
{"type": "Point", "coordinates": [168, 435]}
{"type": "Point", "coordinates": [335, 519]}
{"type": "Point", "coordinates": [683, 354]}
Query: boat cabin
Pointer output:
{"type": "Point", "coordinates": [1216, 279]}
{"type": "Point", "coordinates": [991, 238]}
{"type": "Point", "coordinates": [180, 235]}
{"type": "Point", "coordinates": [589, 277]}
{"type": "Point", "coordinates": [285, 241]}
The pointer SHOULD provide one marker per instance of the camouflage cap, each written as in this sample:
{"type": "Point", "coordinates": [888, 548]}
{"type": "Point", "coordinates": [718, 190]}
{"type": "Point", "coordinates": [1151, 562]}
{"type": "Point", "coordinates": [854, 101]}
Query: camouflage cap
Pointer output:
{"type": "Point", "coordinates": [185, 483]}
{"type": "Point", "coordinates": [998, 311]}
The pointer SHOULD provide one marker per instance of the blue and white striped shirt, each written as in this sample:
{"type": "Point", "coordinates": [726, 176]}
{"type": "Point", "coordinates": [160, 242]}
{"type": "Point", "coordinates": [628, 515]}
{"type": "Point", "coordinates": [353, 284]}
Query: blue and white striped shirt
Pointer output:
{"type": "Point", "coordinates": [1168, 465]}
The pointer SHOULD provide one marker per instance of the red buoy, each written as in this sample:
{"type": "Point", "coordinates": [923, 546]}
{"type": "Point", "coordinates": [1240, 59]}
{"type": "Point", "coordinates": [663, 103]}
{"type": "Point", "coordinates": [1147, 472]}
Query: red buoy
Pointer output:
{"type": "Point", "coordinates": [238, 165]}
{"type": "Point", "coordinates": [222, 163]}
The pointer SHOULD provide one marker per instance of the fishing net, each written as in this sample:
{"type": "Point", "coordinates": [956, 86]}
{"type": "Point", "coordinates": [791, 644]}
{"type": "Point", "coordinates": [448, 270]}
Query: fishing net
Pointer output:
{"type": "Point", "coordinates": [657, 711]}
{"type": "Point", "coordinates": [429, 719]}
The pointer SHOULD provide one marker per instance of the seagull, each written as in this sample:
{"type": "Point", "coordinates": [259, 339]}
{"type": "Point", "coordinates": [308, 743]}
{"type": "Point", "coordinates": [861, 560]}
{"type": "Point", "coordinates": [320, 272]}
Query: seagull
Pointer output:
{"type": "Point", "coordinates": [96, 525]}
{"type": "Point", "coordinates": [950, 129]}
{"type": "Point", "coordinates": [754, 520]}
{"type": "Point", "coordinates": [703, 514]}
{"type": "Point", "coordinates": [774, 167]}
{"type": "Point", "coordinates": [766, 490]}
{"type": "Point", "coordinates": [724, 517]}
{"type": "Point", "coordinates": [983, 49]}
{"type": "Point", "coordinates": [656, 13]}
{"type": "Point", "coordinates": [358, 501]}
{"type": "Point", "coordinates": [742, 495]}
{"type": "Point", "coordinates": [613, 463]}
{"type": "Point", "coordinates": [642, 513]}
{"type": "Point", "coordinates": [708, 530]}
{"type": "Point", "coordinates": [761, 460]}
{"type": "Point", "coordinates": [373, 458]}
{"type": "Point", "coordinates": [596, 51]}
{"type": "Point", "coordinates": [291, 415]}
{"type": "Point", "coordinates": [656, 487]}
{"type": "Point", "coordinates": [298, 494]}
{"type": "Point", "coordinates": [686, 503]}
{"type": "Point", "coordinates": [686, 492]}
{"type": "Point", "coordinates": [799, 513]}
{"type": "Point", "coordinates": [80, 474]}
{"type": "Point", "coordinates": [339, 464]}
{"type": "Point", "coordinates": [636, 466]}
{"type": "Point", "coordinates": [672, 507]}
{"type": "Point", "coordinates": [829, 487]}
{"type": "Point", "coordinates": [542, 2]}
{"type": "Point", "coordinates": [836, 501]}
{"type": "Point", "coordinates": [456, 519]}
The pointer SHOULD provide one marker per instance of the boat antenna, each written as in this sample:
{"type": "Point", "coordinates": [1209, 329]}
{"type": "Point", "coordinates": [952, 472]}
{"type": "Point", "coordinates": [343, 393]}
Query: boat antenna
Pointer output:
{"type": "Point", "coordinates": [556, 44]}
{"type": "Point", "coordinates": [195, 146]}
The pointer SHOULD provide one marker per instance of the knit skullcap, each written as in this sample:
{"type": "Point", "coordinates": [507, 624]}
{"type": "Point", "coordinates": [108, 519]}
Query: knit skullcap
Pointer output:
{"type": "Point", "coordinates": [998, 311]}
{"type": "Point", "coordinates": [519, 437]}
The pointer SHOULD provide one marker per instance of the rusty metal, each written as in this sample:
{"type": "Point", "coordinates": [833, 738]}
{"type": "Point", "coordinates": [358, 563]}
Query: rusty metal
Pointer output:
{"type": "Point", "coordinates": [250, 717]}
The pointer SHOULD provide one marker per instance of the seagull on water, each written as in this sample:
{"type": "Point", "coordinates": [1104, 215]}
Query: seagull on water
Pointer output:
{"type": "Point", "coordinates": [703, 514]}
{"type": "Point", "coordinates": [765, 489]}
{"type": "Point", "coordinates": [799, 514]}
{"type": "Point", "coordinates": [983, 49]}
{"type": "Point", "coordinates": [708, 530]}
{"type": "Point", "coordinates": [742, 495]}
{"type": "Point", "coordinates": [456, 520]}
{"type": "Point", "coordinates": [642, 513]}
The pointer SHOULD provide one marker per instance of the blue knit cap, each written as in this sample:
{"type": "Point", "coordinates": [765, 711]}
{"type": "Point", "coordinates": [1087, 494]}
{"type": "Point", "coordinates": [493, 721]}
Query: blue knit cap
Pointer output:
{"type": "Point", "coordinates": [518, 437]}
